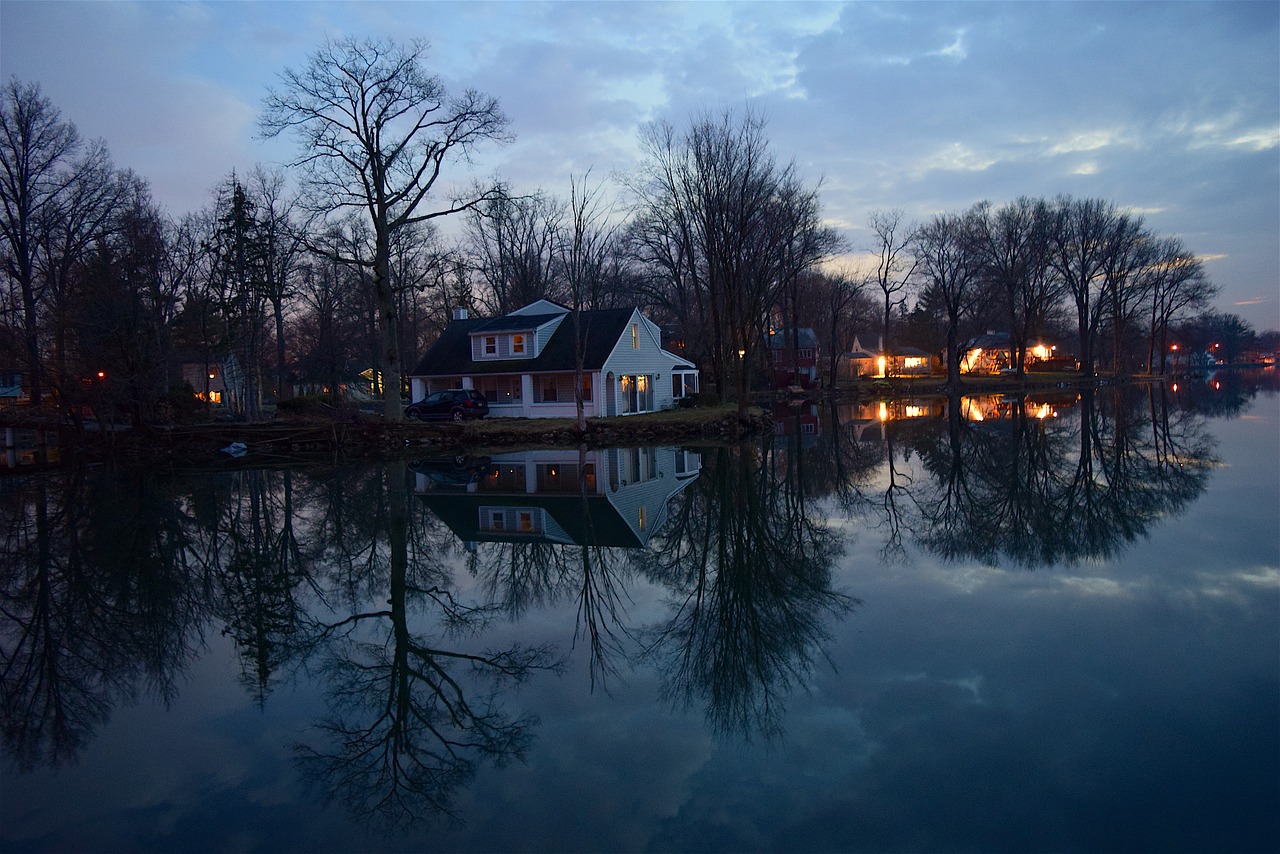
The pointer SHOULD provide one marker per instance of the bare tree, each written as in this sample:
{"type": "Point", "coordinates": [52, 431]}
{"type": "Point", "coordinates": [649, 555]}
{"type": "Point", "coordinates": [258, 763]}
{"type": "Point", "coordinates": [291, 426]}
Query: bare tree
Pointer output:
{"type": "Point", "coordinates": [1013, 242]}
{"type": "Point", "coordinates": [1176, 283]}
{"type": "Point", "coordinates": [282, 240]}
{"type": "Point", "coordinates": [37, 149]}
{"type": "Point", "coordinates": [512, 240]}
{"type": "Point", "coordinates": [1080, 240]}
{"type": "Point", "coordinates": [375, 132]}
{"type": "Point", "coordinates": [584, 251]}
{"type": "Point", "coordinates": [728, 227]}
{"type": "Point", "coordinates": [952, 268]}
{"type": "Point", "coordinates": [896, 264]}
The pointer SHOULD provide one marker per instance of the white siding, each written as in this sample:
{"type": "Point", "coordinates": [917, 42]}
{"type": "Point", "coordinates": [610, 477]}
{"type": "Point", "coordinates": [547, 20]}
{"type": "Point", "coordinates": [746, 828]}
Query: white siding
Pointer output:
{"type": "Point", "coordinates": [544, 333]}
{"type": "Point", "coordinates": [648, 359]}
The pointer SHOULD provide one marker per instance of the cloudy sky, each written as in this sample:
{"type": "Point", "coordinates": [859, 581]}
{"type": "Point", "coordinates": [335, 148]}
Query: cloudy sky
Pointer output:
{"type": "Point", "coordinates": [1169, 109]}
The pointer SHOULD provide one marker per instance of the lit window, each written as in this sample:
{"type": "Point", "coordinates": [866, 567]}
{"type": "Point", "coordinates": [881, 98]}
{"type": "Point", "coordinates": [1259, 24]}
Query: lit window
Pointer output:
{"type": "Point", "coordinates": [517, 344]}
{"type": "Point", "coordinates": [635, 336]}
{"type": "Point", "coordinates": [491, 345]}
{"type": "Point", "coordinates": [526, 521]}
{"type": "Point", "coordinates": [642, 519]}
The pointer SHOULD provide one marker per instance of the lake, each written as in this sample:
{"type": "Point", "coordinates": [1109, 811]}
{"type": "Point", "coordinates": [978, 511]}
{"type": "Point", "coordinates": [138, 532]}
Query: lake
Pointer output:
{"type": "Point", "coordinates": [995, 623]}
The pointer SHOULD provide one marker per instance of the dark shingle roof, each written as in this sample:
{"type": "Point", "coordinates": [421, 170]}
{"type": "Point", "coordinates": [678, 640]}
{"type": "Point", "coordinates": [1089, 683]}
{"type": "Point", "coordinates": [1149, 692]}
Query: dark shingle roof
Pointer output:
{"type": "Point", "coordinates": [514, 322]}
{"type": "Point", "coordinates": [600, 331]}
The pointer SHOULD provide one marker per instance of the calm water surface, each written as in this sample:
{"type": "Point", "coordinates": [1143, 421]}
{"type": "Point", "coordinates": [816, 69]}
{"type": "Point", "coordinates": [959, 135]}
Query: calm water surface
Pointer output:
{"type": "Point", "coordinates": [983, 624]}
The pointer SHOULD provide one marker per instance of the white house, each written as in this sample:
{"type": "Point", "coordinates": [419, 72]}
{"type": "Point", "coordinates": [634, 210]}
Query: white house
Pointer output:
{"type": "Point", "coordinates": [526, 363]}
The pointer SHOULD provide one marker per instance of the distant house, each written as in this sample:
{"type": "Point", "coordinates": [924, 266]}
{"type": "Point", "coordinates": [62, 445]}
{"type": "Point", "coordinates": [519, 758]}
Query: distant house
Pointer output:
{"type": "Point", "coordinates": [526, 363]}
{"type": "Point", "coordinates": [11, 390]}
{"type": "Point", "coordinates": [215, 380]}
{"type": "Point", "coordinates": [793, 357]}
{"type": "Point", "coordinates": [616, 497]}
{"type": "Point", "coordinates": [992, 352]}
{"type": "Point", "coordinates": [898, 362]}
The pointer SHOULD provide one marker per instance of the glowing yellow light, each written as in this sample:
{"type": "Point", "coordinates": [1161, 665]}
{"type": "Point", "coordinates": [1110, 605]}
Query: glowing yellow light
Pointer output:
{"type": "Point", "coordinates": [1044, 411]}
{"type": "Point", "coordinates": [882, 362]}
{"type": "Point", "coordinates": [1175, 386]}
{"type": "Point", "coordinates": [1040, 351]}
{"type": "Point", "coordinates": [970, 410]}
{"type": "Point", "coordinates": [884, 412]}
{"type": "Point", "coordinates": [913, 411]}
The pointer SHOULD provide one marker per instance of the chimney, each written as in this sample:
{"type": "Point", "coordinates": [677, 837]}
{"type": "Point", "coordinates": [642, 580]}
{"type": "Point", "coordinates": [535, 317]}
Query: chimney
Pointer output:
{"type": "Point", "coordinates": [459, 314]}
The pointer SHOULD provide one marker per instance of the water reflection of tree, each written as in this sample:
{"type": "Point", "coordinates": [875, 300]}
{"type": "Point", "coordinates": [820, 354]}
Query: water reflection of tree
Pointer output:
{"type": "Point", "coordinates": [518, 576]}
{"type": "Point", "coordinates": [412, 716]}
{"type": "Point", "coordinates": [97, 602]}
{"type": "Point", "coordinates": [750, 570]}
{"type": "Point", "coordinates": [1019, 490]}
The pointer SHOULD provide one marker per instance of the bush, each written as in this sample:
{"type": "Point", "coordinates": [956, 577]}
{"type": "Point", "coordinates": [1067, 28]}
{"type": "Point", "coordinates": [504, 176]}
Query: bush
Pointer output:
{"type": "Point", "coordinates": [702, 398]}
{"type": "Point", "coordinates": [179, 405]}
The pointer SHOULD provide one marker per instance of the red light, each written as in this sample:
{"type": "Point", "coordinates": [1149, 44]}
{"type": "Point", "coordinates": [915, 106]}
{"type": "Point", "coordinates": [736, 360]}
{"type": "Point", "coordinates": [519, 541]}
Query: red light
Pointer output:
{"type": "Point", "coordinates": [102, 375]}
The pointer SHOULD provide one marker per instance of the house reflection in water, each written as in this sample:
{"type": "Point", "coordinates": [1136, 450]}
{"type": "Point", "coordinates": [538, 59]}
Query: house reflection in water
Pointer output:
{"type": "Point", "coordinates": [612, 497]}
{"type": "Point", "coordinates": [868, 419]}
{"type": "Point", "coordinates": [996, 407]}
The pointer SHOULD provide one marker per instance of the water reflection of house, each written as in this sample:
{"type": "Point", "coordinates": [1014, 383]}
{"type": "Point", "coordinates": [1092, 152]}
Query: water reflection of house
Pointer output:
{"type": "Point", "coordinates": [1002, 407]}
{"type": "Point", "coordinates": [613, 497]}
{"type": "Point", "coordinates": [797, 417]}
{"type": "Point", "coordinates": [868, 419]}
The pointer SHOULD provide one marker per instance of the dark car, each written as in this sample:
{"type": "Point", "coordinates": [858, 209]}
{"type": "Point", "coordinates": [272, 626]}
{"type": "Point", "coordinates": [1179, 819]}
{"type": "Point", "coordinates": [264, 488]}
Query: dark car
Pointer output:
{"type": "Point", "coordinates": [454, 405]}
{"type": "Point", "coordinates": [462, 470]}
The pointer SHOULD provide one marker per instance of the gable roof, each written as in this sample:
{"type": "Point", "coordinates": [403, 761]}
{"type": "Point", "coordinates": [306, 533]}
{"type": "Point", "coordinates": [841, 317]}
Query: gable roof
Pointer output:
{"type": "Point", "coordinates": [599, 332]}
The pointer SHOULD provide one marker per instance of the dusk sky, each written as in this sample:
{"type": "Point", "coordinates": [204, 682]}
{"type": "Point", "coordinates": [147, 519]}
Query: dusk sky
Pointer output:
{"type": "Point", "coordinates": [1171, 110]}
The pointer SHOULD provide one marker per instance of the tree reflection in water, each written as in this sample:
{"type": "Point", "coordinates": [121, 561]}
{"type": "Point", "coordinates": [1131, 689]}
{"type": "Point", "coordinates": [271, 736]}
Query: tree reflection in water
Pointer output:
{"type": "Point", "coordinates": [1013, 488]}
{"type": "Point", "coordinates": [99, 604]}
{"type": "Point", "coordinates": [111, 580]}
{"type": "Point", "coordinates": [750, 573]}
{"type": "Point", "coordinates": [405, 734]}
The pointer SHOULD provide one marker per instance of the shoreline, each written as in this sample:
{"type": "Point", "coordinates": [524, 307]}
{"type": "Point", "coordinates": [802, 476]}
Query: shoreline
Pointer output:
{"type": "Point", "coordinates": [358, 435]}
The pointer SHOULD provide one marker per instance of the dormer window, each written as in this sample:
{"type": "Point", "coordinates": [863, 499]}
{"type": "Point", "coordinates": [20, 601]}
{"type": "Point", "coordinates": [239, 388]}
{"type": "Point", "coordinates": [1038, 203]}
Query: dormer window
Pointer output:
{"type": "Point", "coordinates": [517, 344]}
{"type": "Point", "coordinates": [491, 345]}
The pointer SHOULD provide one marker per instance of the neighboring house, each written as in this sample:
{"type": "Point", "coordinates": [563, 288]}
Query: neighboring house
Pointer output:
{"type": "Point", "coordinates": [793, 357]}
{"type": "Point", "coordinates": [614, 497]}
{"type": "Point", "coordinates": [11, 391]}
{"type": "Point", "coordinates": [215, 380]}
{"type": "Point", "coordinates": [526, 363]}
{"type": "Point", "coordinates": [900, 362]}
{"type": "Point", "coordinates": [992, 353]}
